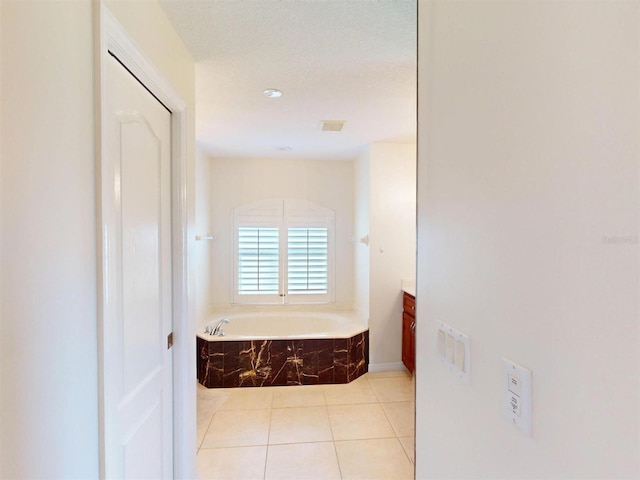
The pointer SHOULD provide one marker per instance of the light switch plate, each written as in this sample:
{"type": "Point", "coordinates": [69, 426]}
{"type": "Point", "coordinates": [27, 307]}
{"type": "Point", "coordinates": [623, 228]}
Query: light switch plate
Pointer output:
{"type": "Point", "coordinates": [454, 351]}
{"type": "Point", "coordinates": [517, 395]}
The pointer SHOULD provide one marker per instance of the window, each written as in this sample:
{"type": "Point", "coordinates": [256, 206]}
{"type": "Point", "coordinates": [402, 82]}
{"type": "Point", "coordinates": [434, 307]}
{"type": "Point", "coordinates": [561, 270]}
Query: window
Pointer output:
{"type": "Point", "coordinates": [283, 253]}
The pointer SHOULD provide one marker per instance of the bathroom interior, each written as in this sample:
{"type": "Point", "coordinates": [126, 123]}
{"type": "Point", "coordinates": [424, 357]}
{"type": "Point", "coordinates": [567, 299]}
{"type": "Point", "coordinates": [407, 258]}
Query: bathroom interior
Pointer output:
{"type": "Point", "coordinates": [253, 148]}
{"type": "Point", "coordinates": [527, 234]}
{"type": "Point", "coordinates": [338, 136]}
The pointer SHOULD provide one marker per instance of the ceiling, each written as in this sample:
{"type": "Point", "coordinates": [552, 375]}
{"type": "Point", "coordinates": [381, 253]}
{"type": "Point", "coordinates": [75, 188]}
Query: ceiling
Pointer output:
{"type": "Point", "coordinates": [350, 60]}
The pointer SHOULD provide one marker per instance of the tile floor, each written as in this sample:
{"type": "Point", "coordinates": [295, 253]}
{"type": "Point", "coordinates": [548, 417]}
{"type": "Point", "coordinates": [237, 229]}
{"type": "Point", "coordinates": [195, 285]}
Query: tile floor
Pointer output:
{"type": "Point", "coordinates": [361, 430]}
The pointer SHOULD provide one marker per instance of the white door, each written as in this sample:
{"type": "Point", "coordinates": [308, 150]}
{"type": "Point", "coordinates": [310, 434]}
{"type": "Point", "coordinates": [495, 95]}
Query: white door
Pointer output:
{"type": "Point", "coordinates": [138, 414]}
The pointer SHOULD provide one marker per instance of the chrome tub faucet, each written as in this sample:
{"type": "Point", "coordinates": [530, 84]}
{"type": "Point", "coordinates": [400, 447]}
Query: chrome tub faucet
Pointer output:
{"type": "Point", "coordinates": [217, 330]}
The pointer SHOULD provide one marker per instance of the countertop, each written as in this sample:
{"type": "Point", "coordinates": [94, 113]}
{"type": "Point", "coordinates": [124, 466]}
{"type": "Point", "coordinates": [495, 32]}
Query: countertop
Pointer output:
{"type": "Point", "coordinates": [408, 285]}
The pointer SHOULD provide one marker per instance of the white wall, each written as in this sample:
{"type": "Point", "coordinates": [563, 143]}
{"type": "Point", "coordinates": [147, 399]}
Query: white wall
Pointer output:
{"type": "Point", "coordinates": [48, 329]}
{"type": "Point", "coordinates": [201, 250]}
{"type": "Point", "coordinates": [236, 182]}
{"type": "Point", "coordinates": [361, 219]}
{"type": "Point", "coordinates": [392, 246]}
{"type": "Point", "coordinates": [150, 28]}
{"type": "Point", "coordinates": [2, 406]}
{"type": "Point", "coordinates": [528, 227]}
{"type": "Point", "coordinates": [48, 356]}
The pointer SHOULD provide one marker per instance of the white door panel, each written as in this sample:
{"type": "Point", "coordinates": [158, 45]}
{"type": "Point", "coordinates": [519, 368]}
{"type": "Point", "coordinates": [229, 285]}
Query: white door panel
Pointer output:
{"type": "Point", "coordinates": [138, 364]}
{"type": "Point", "coordinates": [140, 191]}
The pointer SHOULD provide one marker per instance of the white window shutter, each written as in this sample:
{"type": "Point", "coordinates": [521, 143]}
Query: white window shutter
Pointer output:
{"type": "Point", "coordinates": [283, 252]}
{"type": "Point", "coordinates": [258, 260]}
{"type": "Point", "coordinates": [307, 261]}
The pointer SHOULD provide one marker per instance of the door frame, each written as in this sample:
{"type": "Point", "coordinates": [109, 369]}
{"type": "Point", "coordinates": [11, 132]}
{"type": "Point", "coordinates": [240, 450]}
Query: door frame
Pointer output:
{"type": "Point", "coordinates": [111, 38]}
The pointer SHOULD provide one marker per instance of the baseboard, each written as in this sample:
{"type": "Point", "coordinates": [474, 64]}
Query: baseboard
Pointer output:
{"type": "Point", "coordinates": [387, 367]}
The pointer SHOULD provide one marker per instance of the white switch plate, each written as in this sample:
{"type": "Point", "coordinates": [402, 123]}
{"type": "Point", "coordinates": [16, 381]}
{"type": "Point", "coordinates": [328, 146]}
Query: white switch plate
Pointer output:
{"type": "Point", "coordinates": [517, 395]}
{"type": "Point", "coordinates": [454, 351]}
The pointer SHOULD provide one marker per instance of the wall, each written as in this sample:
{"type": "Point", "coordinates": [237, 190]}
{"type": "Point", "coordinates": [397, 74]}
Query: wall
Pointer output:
{"type": "Point", "coordinates": [528, 235]}
{"type": "Point", "coordinates": [392, 246]}
{"type": "Point", "coordinates": [48, 355]}
{"type": "Point", "coordinates": [48, 330]}
{"type": "Point", "coordinates": [236, 182]}
{"type": "Point", "coordinates": [3, 407]}
{"type": "Point", "coordinates": [148, 25]}
{"type": "Point", "coordinates": [361, 219]}
{"type": "Point", "coordinates": [202, 249]}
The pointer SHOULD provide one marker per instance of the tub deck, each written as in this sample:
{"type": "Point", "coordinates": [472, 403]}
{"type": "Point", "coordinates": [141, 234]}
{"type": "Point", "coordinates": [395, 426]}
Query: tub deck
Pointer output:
{"type": "Point", "coordinates": [285, 325]}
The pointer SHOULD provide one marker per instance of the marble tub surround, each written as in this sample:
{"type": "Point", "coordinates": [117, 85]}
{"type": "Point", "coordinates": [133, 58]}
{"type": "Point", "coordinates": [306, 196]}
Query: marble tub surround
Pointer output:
{"type": "Point", "coordinates": [259, 363]}
{"type": "Point", "coordinates": [363, 429]}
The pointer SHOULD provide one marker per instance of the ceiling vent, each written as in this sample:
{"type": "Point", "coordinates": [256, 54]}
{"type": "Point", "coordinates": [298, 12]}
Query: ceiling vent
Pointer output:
{"type": "Point", "coordinates": [332, 125]}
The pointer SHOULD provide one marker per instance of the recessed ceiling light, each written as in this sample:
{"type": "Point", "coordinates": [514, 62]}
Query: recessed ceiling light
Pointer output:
{"type": "Point", "coordinates": [272, 93]}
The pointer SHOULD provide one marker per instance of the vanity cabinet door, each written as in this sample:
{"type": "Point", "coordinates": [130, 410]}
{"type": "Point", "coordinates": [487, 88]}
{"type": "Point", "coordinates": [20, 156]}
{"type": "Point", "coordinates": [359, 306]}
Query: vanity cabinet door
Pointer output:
{"type": "Point", "coordinates": [408, 341]}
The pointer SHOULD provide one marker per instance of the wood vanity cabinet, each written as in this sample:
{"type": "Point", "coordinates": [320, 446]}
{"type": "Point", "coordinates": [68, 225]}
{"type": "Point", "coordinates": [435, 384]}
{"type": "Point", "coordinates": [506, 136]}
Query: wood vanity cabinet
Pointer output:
{"type": "Point", "coordinates": [408, 331]}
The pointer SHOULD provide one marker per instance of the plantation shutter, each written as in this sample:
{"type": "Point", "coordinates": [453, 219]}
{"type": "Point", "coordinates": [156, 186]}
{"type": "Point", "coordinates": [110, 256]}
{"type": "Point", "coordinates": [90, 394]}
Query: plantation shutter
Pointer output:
{"type": "Point", "coordinates": [258, 253]}
{"type": "Point", "coordinates": [283, 252]}
{"type": "Point", "coordinates": [258, 260]}
{"type": "Point", "coordinates": [307, 261]}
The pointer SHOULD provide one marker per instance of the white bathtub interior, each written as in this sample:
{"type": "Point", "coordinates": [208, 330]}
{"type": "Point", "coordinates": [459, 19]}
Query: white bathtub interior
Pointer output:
{"type": "Point", "coordinates": [279, 325]}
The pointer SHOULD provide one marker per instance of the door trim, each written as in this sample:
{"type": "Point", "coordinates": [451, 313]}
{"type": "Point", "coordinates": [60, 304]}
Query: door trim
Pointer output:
{"type": "Point", "coordinates": [112, 39]}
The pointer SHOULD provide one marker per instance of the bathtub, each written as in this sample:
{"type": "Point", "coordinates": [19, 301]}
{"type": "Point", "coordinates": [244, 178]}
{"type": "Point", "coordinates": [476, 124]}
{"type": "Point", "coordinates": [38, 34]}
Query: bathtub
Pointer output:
{"type": "Point", "coordinates": [283, 348]}
{"type": "Point", "coordinates": [285, 325]}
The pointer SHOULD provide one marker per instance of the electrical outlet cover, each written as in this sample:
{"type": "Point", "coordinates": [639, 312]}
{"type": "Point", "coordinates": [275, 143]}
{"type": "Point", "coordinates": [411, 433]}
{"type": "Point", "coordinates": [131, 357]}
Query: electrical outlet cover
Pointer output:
{"type": "Point", "coordinates": [517, 395]}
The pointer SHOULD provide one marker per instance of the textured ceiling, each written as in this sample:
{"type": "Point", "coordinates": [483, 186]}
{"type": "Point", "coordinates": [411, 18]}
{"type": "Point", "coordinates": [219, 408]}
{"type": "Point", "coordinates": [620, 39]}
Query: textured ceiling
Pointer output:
{"type": "Point", "coordinates": [351, 60]}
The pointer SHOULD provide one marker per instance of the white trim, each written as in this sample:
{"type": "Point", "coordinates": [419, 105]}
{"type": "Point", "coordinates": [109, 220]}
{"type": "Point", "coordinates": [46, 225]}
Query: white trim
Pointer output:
{"type": "Point", "coordinates": [112, 37]}
{"type": "Point", "coordinates": [387, 367]}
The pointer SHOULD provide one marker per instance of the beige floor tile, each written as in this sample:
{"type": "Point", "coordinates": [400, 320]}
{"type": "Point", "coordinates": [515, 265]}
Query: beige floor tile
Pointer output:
{"type": "Point", "coordinates": [298, 396]}
{"type": "Point", "coordinates": [350, 422]}
{"type": "Point", "coordinates": [393, 389]}
{"type": "Point", "coordinates": [354, 392]}
{"type": "Point", "coordinates": [204, 415]}
{"type": "Point", "coordinates": [237, 428]}
{"type": "Point", "coordinates": [390, 374]}
{"type": "Point", "coordinates": [308, 461]}
{"type": "Point", "coordinates": [208, 403]}
{"type": "Point", "coordinates": [239, 463]}
{"type": "Point", "coordinates": [211, 398]}
{"type": "Point", "coordinates": [408, 443]}
{"type": "Point", "coordinates": [301, 424]}
{"type": "Point", "coordinates": [248, 398]}
{"type": "Point", "coordinates": [401, 416]}
{"type": "Point", "coordinates": [378, 459]}
{"type": "Point", "coordinates": [211, 392]}
{"type": "Point", "coordinates": [360, 379]}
